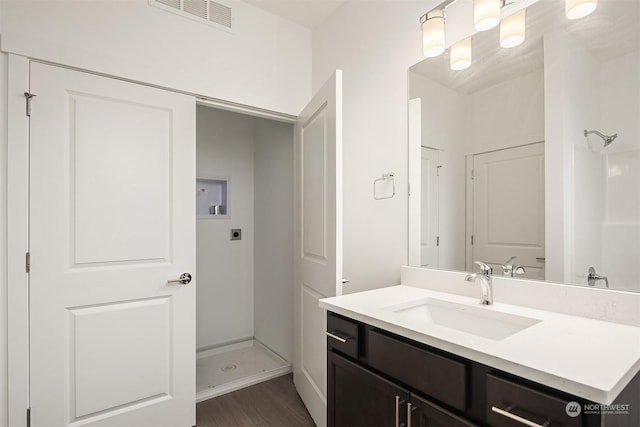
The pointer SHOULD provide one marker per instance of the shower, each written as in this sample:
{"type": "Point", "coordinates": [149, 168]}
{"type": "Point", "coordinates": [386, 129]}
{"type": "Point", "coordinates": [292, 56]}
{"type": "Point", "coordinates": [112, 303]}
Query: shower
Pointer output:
{"type": "Point", "coordinates": [607, 139]}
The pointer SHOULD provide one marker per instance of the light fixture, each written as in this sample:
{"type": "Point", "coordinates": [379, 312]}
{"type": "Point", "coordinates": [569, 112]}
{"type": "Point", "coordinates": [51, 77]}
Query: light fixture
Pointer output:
{"type": "Point", "coordinates": [576, 9]}
{"type": "Point", "coordinates": [512, 29]}
{"type": "Point", "coordinates": [486, 14]}
{"type": "Point", "coordinates": [460, 54]}
{"type": "Point", "coordinates": [433, 33]}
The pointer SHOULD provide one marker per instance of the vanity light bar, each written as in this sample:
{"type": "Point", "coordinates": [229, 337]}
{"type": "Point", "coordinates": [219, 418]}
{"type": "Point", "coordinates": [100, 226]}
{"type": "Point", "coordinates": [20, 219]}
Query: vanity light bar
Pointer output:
{"type": "Point", "coordinates": [486, 16]}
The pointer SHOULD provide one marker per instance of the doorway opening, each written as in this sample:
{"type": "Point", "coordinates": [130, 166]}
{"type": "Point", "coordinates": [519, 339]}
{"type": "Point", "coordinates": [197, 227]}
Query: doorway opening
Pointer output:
{"type": "Point", "coordinates": [244, 245]}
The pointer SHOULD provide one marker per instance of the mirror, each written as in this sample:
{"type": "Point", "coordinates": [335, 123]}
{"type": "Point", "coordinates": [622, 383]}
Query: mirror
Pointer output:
{"type": "Point", "coordinates": [533, 151]}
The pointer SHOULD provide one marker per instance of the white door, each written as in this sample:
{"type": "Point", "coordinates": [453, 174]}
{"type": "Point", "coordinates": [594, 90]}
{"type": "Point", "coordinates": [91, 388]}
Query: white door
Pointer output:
{"type": "Point", "coordinates": [508, 208]}
{"type": "Point", "coordinates": [112, 219]}
{"type": "Point", "coordinates": [429, 226]}
{"type": "Point", "coordinates": [318, 238]}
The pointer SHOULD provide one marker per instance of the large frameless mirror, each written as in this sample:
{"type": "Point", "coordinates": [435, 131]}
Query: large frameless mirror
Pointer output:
{"type": "Point", "coordinates": [529, 158]}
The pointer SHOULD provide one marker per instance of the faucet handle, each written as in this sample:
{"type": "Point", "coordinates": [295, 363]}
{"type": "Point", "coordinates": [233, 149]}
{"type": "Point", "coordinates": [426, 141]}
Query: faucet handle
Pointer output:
{"type": "Point", "coordinates": [593, 277]}
{"type": "Point", "coordinates": [484, 268]}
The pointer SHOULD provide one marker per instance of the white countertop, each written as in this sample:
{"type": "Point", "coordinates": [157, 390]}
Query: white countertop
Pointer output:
{"type": "Point", "coordinates": [589, 358]}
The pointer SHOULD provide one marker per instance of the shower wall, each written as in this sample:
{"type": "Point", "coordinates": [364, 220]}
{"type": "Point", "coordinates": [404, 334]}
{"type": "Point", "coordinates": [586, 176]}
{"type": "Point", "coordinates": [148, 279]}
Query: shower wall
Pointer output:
{"type": "Point", "coordinates": [620, 113]}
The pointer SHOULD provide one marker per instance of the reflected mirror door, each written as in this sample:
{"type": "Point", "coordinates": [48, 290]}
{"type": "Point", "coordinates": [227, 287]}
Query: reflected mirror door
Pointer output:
{"type": "Point", "coordinates": [508, 210]}
{"type": "Point", "coordinates": [429, 216]}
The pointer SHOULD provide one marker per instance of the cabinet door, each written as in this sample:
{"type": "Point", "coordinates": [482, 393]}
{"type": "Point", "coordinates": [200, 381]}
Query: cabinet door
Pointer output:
{"type": "Point", "coordinates": [357, 397]}
{"type": "Point", "coordinates": [424, 413]}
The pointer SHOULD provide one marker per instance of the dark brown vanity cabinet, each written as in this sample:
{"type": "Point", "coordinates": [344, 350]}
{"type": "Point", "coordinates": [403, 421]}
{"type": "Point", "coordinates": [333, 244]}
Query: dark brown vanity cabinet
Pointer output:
{"type": "Point", "coordinates": [377, 378]}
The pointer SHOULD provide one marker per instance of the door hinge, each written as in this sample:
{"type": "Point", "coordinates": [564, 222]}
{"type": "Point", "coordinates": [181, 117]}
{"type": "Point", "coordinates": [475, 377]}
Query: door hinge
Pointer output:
{"type": "Point", "coordinates": [438, 170]}
{"type": "Point", "coordinates": [28, 417]}
{"type": "Point", "coordinates": [27, 97]}
{"type": "Point", "coordinates": [438, 241]}
{"type": "Point", "coordinates": [27, 262]}
{"type": "Point", "coordinates": [472, 239]}
{"type": "Point", "coordinates": [473, 174]}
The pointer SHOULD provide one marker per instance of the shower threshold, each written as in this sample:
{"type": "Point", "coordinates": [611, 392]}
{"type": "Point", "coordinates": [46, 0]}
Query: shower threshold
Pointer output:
{"type": "Point", "coordinates": [225, 369]}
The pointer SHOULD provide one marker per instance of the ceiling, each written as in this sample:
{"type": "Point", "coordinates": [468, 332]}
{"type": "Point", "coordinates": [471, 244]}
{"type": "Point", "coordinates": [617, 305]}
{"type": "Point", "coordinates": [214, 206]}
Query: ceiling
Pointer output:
{"type": "Point", "coordinates": [611, 31]}
{"type": "Point", "coordinates": [308, 13]}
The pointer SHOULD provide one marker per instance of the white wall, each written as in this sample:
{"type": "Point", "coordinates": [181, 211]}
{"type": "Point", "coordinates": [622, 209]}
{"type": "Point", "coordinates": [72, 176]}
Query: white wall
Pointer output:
{"type": "Point", "coordinates": [224, 303]}
{"type": "Point", "coordinates": [273, 240]}
{"type": "Point", "coordinates": [507, 114]}
{"type": "Point", "coordinates": [374, 43]}
{"type": "Point", "coordinates": [265, 62]}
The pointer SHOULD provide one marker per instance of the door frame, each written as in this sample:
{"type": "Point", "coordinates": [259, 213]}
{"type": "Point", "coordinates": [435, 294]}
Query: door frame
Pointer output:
{"type": "Point", "coordinates": [17, 351]}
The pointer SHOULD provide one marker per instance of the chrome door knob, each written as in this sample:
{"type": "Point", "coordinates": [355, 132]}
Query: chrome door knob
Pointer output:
{"type": "Point", "coordinates": [185, 279]}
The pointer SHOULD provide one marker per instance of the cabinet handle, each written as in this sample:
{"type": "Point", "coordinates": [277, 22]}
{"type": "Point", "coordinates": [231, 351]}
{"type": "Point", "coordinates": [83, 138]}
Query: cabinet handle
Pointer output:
{"type": "Point", "coordinates": [397, 411]}
{"type": "Point", "coordinates": [336, 337]}
{"type": "Point", "coordinates": [409, 409]}
{"type": "Point", "coordinates": [506, 413]}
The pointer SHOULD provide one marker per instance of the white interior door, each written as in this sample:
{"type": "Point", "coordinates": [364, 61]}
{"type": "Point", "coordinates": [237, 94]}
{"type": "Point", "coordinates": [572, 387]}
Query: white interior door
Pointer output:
{"type": "Point", "coordinates": [429, 234]}
{"type": "Point", "coordinates": [112, 219]}
{"type": "Point", "coordinates": [508, 208]}
{"type": "Point", "coordinates": [318, 259]}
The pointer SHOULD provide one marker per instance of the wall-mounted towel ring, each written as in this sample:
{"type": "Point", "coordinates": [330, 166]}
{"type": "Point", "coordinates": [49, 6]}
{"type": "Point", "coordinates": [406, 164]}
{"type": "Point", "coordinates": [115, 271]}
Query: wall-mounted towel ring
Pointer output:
{"type": "Point", "coordinates": [385, 177]}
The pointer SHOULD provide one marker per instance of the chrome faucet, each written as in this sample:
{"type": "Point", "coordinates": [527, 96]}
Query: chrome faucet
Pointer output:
{"type": "Point", "coordinates": [485, 279]}
{"type": "Point", "coordinates": [510, 270]}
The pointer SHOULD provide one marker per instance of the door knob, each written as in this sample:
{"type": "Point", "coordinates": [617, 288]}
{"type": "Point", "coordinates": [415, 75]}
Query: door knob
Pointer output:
{"type": "Point", "coordinates": [185, 279]}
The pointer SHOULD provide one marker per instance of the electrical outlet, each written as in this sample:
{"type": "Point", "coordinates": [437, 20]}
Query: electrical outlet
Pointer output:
{"type": "Point", "coordinates": [236, 234]}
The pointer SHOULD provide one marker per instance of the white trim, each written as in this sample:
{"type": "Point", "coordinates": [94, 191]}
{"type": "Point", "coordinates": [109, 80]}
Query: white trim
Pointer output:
{"type": "Point", "coordinates": [200, 99]}
{"type": "Point", "coordinates": [246, 110]}
{"type": "Point", "coordinates": [415, 183]}
{"type": "Point", "coordinates": [17, 241]}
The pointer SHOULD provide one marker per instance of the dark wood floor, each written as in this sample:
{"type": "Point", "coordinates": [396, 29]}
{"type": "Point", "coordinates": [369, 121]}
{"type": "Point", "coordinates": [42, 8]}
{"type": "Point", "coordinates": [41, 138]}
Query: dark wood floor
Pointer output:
{"type": "Point", "coordinates": [271, 403]}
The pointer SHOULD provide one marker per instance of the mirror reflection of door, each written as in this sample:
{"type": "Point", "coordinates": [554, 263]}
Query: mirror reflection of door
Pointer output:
{"type": "Point", "coordinates": [429, 218]}
{"type": "Point", "coordinates": [508, 210]}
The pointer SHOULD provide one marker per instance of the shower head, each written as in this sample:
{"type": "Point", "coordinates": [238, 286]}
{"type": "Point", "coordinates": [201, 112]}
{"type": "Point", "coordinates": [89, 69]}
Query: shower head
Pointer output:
{"type": "Point", "coordinates": [608, 139]}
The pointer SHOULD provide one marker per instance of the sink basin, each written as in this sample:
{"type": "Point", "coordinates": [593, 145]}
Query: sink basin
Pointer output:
{"type": "Point", "coordinates": [479, 321]}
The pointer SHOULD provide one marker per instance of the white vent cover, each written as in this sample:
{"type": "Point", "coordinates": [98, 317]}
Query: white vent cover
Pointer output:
{"type": "Point", "coordinates": [206, 11]}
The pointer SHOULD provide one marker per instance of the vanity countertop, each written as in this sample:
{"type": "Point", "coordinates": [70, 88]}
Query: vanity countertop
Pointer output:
{"type": "Point", "coordinates": [589, 358]}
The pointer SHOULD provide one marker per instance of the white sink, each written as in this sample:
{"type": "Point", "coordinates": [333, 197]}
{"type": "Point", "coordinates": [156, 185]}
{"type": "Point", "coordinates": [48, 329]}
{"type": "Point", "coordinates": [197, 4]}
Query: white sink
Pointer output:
{"type": "Point", "coordinates": [475, 320]}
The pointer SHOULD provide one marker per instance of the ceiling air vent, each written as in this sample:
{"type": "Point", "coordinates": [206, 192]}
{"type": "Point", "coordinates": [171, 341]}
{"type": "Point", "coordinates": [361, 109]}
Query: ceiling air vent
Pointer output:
{"type": "Point", "coordinates": [206, 11]}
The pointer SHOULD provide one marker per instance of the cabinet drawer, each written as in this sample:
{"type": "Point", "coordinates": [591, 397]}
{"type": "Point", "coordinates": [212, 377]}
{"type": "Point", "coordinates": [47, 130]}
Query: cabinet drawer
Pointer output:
{"type": "Point", "coordinates": [513, 404]}
{"type": "Point", "coordinates": [428, 414]}
{"type": "Point", "coordinates": [428, 372]}
{"type": "Point", "coordinates": [342, 335]}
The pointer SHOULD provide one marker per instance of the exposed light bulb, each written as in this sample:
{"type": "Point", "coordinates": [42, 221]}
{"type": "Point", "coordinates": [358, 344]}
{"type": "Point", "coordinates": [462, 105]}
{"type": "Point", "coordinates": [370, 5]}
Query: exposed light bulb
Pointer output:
{"type": "Point", "coordinates": [512, 29]}
{"type": "Point", "coordinates": [433, 33]}
{"type": "Point", "coordinates": [576, 9]}
{"type": "Point", "coordinates": [486, 14]}
{"type": "Point", "coordinates": [460, 55]}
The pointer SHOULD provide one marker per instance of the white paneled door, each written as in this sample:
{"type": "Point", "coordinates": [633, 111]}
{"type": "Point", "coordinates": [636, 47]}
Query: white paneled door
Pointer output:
{"type": "Point", "coordinates": [508, 209]}
{"type": "Point", "coordinates": [318, 259]}
{"type": "Point", "coordinates": [429, 206]}
{"type": "Point", "coordinates": [112, 220]}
